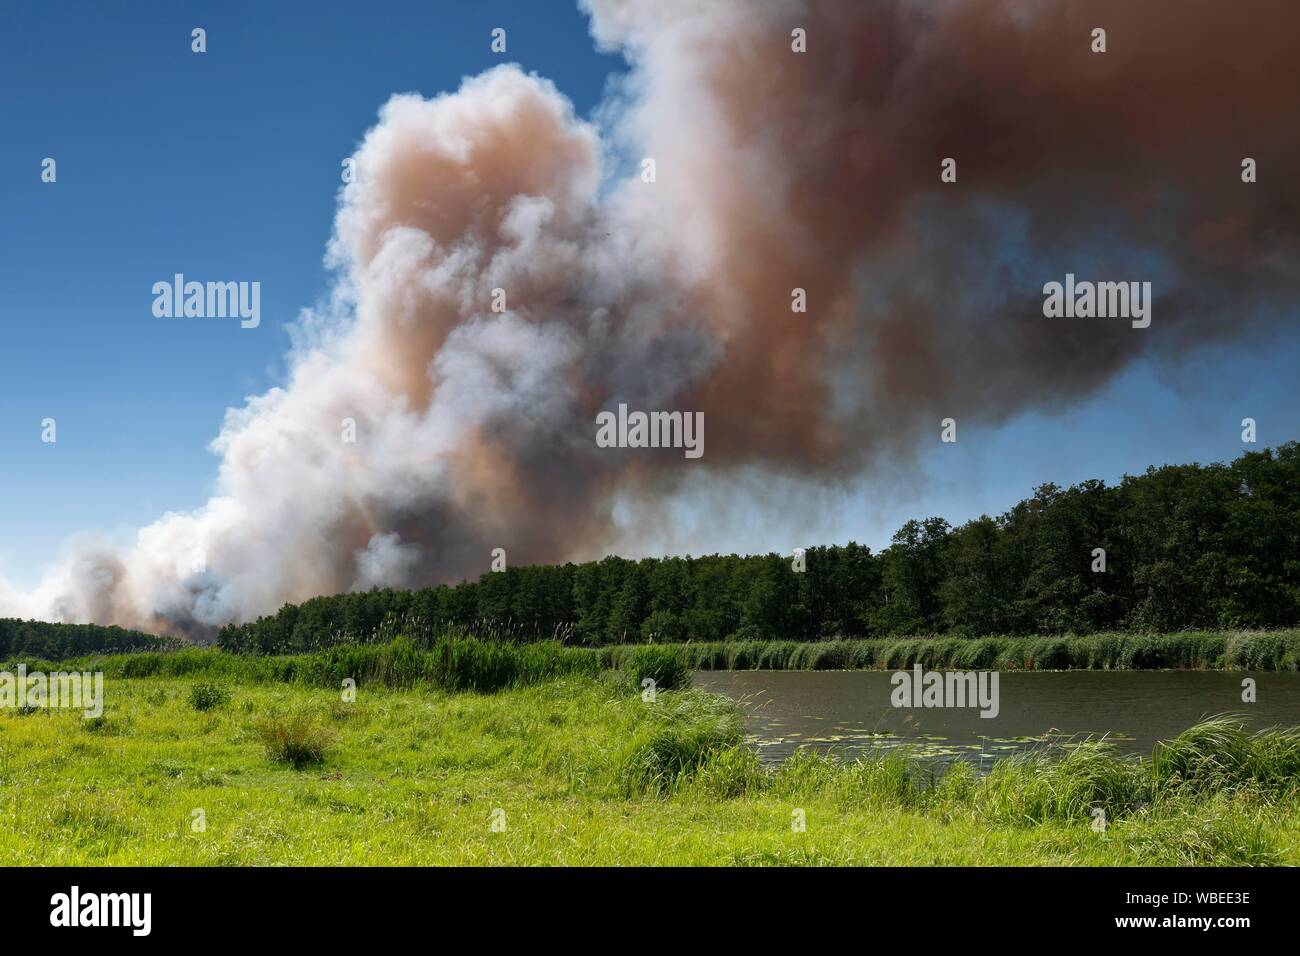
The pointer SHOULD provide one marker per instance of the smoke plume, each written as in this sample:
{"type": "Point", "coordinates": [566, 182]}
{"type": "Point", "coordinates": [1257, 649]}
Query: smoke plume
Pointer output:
{"type": "Point", "coordinates": [775, 170]}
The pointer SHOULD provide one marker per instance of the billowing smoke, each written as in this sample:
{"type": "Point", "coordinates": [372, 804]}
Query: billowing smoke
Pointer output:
{"type": "Point", "coordinates": [774, 170]}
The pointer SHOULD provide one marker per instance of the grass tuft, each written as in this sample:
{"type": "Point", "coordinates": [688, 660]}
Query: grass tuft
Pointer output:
{"type": "Point", "coordinates": [681, 735]}
{"type": "Point", "coordinates": [297, 738]}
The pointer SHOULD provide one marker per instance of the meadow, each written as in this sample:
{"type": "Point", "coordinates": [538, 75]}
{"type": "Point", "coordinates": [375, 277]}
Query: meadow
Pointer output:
{"type": "Point", "coordinates": [542, 755]}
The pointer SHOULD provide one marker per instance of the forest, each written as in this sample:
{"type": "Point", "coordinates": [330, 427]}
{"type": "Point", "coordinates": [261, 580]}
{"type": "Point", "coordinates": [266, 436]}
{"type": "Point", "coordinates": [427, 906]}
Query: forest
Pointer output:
{"type": "Point", "coordinates": [1185, 546]}
{"type": "Point", "coordinates": [49, 641]}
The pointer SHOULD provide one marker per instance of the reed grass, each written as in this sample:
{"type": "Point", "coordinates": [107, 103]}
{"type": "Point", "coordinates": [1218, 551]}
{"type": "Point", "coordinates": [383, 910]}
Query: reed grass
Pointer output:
{"type": "Point", "coordinates": [1189, 650]}
{"type": "Point", "coordinates": [459, 661]}
{"type": "Point", "coordinates": [451, 664]}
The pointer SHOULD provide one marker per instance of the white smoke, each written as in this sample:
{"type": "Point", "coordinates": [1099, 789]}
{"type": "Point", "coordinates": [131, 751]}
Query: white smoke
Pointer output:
{"type": "Point", "coordinates": [775, 170]}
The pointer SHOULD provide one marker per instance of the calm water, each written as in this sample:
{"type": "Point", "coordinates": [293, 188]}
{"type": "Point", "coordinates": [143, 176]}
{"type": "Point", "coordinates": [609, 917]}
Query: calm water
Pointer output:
{"type": "Point", "coordinates": [849, 712]}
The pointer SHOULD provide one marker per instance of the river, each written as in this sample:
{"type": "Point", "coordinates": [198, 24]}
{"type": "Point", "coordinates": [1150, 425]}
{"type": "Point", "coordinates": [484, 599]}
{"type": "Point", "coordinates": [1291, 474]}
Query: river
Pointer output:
{"type": "Point", "coordinates": [849, 713]}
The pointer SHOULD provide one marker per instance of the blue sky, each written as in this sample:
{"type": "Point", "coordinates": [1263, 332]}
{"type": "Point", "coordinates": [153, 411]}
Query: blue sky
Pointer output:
{"type": "Point", "coordinates": [226, 165]}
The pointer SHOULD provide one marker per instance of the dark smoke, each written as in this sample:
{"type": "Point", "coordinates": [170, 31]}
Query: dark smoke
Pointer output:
{"type": "Point", "coordinates": [775, 170]}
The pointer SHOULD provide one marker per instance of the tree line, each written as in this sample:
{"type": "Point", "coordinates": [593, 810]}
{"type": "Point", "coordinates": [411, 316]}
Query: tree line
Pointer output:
{"type": "Point", "coordinates": [48, 641]}
{"type": "Point", "coordinates": [1181, 546]}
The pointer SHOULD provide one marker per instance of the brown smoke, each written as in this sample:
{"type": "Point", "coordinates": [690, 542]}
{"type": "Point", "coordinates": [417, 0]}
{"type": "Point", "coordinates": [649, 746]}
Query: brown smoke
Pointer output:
{"type": "Point", "coordinates": [775, 170]}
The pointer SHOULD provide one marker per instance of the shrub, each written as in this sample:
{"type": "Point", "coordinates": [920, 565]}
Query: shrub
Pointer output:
{"type": "Point", "coordinates": [205, 695]}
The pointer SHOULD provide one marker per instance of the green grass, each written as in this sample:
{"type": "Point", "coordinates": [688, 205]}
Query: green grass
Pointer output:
{"type": "Point", "coordinates": [450, 664]}
{"type": "Point", "coordinates": [587, 772]}
{"type": "Point", "coordinates": [465, 663]}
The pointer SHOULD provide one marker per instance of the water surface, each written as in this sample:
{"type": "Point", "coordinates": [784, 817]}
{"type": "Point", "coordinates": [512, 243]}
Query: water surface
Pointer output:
{"type": "Point", "coordinates": [849, 712]}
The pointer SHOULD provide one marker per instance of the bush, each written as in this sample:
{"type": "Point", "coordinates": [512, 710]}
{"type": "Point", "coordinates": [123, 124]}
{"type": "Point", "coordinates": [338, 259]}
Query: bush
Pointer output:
{"type": "Point", "coordinates": [205, 695]}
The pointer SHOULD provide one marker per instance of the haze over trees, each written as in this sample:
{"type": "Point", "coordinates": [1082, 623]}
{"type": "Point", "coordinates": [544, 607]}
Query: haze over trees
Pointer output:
{"type": "Point", "coordinates": [1186, 546]}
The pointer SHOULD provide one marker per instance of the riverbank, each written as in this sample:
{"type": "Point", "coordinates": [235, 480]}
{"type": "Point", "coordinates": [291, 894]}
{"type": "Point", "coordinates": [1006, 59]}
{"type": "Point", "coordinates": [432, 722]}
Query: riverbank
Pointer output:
{"type": "Point", "coordinates": [582, 770]}
{"type": "Point", "coordinates": [1192, 650]}
{"type": "Point", "coordinates": [458, 663]}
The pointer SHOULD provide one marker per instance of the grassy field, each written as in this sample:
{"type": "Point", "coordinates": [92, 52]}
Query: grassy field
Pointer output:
{"type": "Point", "coordinates": [583, 771]}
